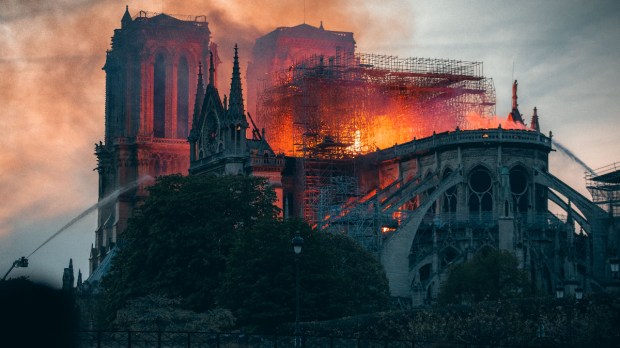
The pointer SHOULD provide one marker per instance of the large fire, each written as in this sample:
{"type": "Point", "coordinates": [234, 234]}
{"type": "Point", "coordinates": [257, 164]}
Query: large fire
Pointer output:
{"type": "Point", "coordinates": [367, 133]}
{"type": "Point", "coordinates": [475, 121]}
{"type": "Point", "coordinates": [352, 103]}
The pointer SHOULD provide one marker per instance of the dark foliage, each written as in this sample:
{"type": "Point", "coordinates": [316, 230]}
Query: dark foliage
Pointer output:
{"type": "Point", "coordinates": [337, 277]}
{"type": "Point", "coordinates": [489, 275]}
{"type": "Point", "coordinates": [177, 243]}
{"type": "Point", "coordinates": [528, 322]}
{"type": "Point", "coordinates": [216, 242]}
{"type": "Point", "coordinates": [35, 315]}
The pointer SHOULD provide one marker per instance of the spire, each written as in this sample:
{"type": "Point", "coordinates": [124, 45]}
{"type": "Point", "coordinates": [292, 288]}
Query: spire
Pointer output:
{"type": "Point", "coordinates": [211, 70]}
{"type": "Point", "coordinates": [514, 95]}
{"type": "Point", "coordinates": [126, 20]}
{"type": "Point", "coordinates": [67, 277]}
{"type": "Point", "coordinates": [235, 106]}
{"type": "Point", "coordinates": [534, 125]}
{"type": "Point", "coordinates": [321, 27]}
{"type": "Point", "coordinates": [200, 90]}
{"type": "Point", "coordinates": [515, 115]}
{"type": "Point", "coordinates": [201, 86]}
{"type": "Point", "coordinates": [216, 61]}
{"type": "Point", "coordinates": [79, 278]}
{"type": "Point", "coordinates": [200, 96]}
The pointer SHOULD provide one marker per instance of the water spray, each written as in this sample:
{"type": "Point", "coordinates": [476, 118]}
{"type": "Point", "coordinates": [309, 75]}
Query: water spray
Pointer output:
{"type": "Point", "coordinates": [106, 200]}
{"type": "Point", "coordinates": [572, 156]}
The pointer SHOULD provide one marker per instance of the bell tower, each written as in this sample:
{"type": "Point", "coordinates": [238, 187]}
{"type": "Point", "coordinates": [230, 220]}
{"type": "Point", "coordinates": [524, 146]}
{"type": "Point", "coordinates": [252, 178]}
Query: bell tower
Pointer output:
{"type": "Point", "coordinates": [150, 90]}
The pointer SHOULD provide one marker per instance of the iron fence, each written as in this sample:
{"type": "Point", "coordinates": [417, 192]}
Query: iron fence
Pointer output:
{"type": "Point", "coordinates": [163, 339]}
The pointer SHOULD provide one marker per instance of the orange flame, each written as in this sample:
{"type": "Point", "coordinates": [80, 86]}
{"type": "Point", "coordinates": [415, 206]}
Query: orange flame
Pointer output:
{"type": "Point", "coordinates": [475, 121]}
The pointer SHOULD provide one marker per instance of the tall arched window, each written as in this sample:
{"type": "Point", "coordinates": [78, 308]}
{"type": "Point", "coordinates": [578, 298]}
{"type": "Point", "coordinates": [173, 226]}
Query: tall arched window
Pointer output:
{"type": "Point", "coordinates": [182, 98]}
{"type": "Point", "coordinates": [159, 97]}
{"type": "Point", "coordinates": [519, 187]}
{"type": "Point", "coordinates": [481, 192]}
{"type": "Point", "coordinates": [449, 199]}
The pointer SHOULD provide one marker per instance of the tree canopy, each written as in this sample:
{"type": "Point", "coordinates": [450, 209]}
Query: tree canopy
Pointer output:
{"type": "Point", "coordinates": [158, 313]}
{"type": "Point", "coordinates": [489, 275]}
{"type": "Point", "coordinates": [217, 242]}
{"type": "Point", "coordinates": [177, 242]}
{"type": "Point", "coordinates": [337, 277]}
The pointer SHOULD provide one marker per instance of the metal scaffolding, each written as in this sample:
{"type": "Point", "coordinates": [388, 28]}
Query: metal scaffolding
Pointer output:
{"type": "Point", "coordinates": [329, 110]}
{"type": "Point", "coordinates": [350, 104]}
{"type": "Point", "coordinates": [604, 186]}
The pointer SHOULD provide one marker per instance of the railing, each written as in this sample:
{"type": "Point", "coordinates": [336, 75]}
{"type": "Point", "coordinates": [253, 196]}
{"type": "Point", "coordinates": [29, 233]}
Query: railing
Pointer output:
{"type": "Point", "coordinates": [266, 161]}
{"type": "Point", "coordinates": [460, 137]}
{"type": "Point", "coordinates": [135, 339]}
{"type": "Point", "coordinates": [140, 139]}
{"type": "Point", "coordinates": [163, 339]}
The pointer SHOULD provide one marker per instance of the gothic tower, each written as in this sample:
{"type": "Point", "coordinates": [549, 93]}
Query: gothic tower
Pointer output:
{"type": "Point", "coordinates": [150, 70]}
{"type": "Point", "coordinates": [217, 140]}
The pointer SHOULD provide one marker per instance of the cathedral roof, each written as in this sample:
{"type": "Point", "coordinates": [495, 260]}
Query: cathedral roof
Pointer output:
{"type": "Point", "coordinates": [104, 267]}
{"type": "Point", "coordinates": [163, 20]}
{"type": "Point", "coordinates": [307, 31]}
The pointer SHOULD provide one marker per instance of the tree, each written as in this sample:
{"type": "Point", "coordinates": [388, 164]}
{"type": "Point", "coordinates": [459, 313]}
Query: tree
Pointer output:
{"type": "Point", "coordinates": [489, 275]}
{"type": "Point", "coordinates": [217, 242]}
{"type": "Point", "coordinates": [178, 241]}
{"type": "Point", "coordinates": [158, 313]}
{"type": "Point", "coordinates": [337, 277]}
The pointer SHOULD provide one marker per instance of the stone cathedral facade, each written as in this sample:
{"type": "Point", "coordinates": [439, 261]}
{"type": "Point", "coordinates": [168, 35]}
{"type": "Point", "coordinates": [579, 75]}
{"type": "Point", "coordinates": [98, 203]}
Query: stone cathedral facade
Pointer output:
{"type": "Point", "coordinates": [420, 206]}
{"type": "Point", "coordinates": [150, 92]}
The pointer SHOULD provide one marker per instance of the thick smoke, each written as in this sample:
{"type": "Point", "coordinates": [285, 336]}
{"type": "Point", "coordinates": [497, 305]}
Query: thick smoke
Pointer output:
{"type": "Point", "coordinates": [52, 86]}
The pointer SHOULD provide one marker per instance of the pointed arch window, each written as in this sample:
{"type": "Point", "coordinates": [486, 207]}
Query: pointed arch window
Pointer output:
{"type": "Point", "coordinates": [182, 99]}
{"type": "Point", "coordinates": [480, 199]}
{"type": "Point", "coordinates": [449, 199]}
{"type": "Point", "coordinates": [159, 97]}
{"type": "Point", "coordinates": [519, 188]}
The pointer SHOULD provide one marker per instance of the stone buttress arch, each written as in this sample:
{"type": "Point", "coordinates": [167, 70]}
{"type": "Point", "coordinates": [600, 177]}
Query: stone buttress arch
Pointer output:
{"type": "Point", "coordinates": [395, 251]}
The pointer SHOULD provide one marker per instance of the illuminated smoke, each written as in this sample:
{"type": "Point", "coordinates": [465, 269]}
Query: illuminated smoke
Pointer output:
{"type": "Point", "coordinates": [52, 87]}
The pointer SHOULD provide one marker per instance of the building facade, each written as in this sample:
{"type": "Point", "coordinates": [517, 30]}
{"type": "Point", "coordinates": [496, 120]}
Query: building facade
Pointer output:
{"type": "Point", "coordinates": [420, 206]}
{"type": "Point", "coordinates": [284, 47]}
{"type": "Point", "coordinates": [218, 138]}
{"type": "Point", "coordinates": [150, 90]}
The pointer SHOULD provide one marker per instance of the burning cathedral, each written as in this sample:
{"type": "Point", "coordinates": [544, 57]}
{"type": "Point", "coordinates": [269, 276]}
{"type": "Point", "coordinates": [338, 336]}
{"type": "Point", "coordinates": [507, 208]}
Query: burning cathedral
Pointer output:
{"type": "Point", "coordinates": [400, 154]}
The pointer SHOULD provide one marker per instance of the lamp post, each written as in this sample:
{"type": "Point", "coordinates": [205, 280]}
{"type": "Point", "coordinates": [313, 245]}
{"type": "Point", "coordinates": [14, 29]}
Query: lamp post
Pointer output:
{"type": "Point", "coordinates": [578, 293]}
{"type": "Point", "coordinates": [297, 243]}
{"type": "Point", "coordinates": [559, 291]}
{"type": "Point", "coordinates": [614, 264]}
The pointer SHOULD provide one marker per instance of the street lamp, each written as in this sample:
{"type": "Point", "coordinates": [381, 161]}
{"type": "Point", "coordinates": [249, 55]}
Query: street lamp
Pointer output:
{"type": "Point", "coordinates": [578, 294]}
{"type": "Point", "coordinates": [614, 263]}
{"type": "Point", "coordinates": [559, 291]}
{"type": "Point", "coordinates": [297, 243]}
